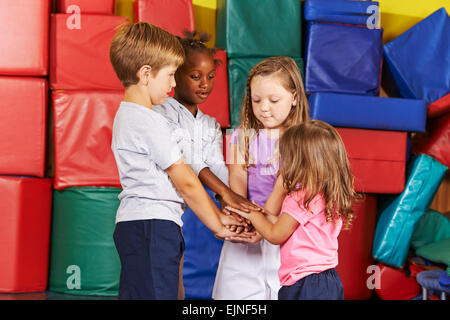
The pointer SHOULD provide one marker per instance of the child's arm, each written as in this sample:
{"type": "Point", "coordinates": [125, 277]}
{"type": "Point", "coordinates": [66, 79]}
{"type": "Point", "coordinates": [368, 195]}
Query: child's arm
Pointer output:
{"type": "Point", "coordinates": [273, 204]}
{"type": "Point", "coordinates": [229, 197]}
{"type": "Point", "coordinates": [276, 231]}
{"type": "Point", "coordinates": [216, 174]}
{"type": "Point", "coordinates": [192, 191]}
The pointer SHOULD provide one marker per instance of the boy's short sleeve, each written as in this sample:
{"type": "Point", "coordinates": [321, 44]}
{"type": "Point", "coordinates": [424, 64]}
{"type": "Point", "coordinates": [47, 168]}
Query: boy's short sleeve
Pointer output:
{"type": "Point", "coordinates": [163, 148]}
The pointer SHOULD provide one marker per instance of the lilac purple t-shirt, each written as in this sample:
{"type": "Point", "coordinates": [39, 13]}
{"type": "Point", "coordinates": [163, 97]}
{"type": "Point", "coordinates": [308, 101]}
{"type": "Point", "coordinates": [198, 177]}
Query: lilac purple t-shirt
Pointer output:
{"type": "Point", "coordinates": [262, 176]}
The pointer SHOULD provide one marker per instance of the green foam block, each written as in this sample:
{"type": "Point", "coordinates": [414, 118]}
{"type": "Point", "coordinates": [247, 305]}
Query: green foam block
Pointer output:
{"type": "Point", "coordinates": [83, 258]}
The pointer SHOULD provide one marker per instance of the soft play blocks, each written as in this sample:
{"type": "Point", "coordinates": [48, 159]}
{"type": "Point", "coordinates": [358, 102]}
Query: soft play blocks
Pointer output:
{"type": "Point", "coordinates": [400, 15]}
{"type": "Point", "coordinates": [24, 37]}
{"type": "Point", "coordinates": [79, 57]}
{"type": "Point", "coordinates": [201, 256]}
{"type": "Point", "coordinates": [397, 221]}
{"type": "Point", "coordinates": [238, 70]}
{"type": "Point", "coordinates": [437, 141]}
{"type": "Point", "coordinates": [217, 104]}
{"type": "Point", "coordinates": [343, 59]}
{"type": "Point", "coordinates": [23, 125]}
{"type": "Point", "coordinates": [245, 28]}
{"type": "Point", "coordinates": [86, 6]}
{"type": "Point", "coordinates": [394, 284]}
{"type": "Point", "coordinates": [342, 11]}
{"type": "Point", "coordinates": [25, 210]}
{"type": "Point", "coordinates": [432, 227]}
{"type": "Point", "coordinates": [418, 59]}
{"type": "Point", "coordinates": [355, 246]}
{"type": "Point", "coordinates": [357, 111]}
{"type": "Point", "coordinates": [82, 134]}
{"type": "Point", "coordinates": [84, 259]}
{"type": "Point", "coordinates": [377, 159]}
{"type": "Point", "coordinates": [171, 15]}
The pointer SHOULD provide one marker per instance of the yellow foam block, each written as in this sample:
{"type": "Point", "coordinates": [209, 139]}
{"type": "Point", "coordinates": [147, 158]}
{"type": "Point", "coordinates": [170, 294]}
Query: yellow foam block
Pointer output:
{"type": "Point", "coordinates": [211, 4]}
{"type": "Point", "coordinates": [205, 21]}
{"type": "Point", "coordinates": [205, 18]}
{"type": "Point", "coordinates": [397, 16]}
{"type": "Point", "coordinates": [124, 8]}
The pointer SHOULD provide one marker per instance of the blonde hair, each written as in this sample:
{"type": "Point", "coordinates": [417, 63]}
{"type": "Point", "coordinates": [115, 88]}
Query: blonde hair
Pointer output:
{"type": "Point", "coordinates": [314, 159]}
{"type": "Point", "coordinates": [287, 71]}
{"type": "Point", "coordinates": [138, 44]}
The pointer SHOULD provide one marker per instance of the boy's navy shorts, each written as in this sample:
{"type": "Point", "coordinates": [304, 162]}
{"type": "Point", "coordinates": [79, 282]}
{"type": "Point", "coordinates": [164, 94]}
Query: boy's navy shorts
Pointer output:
{"type": "Point", "coordinates": [150, 252]}
{"type": "Point", "coordinates": [325, 285]}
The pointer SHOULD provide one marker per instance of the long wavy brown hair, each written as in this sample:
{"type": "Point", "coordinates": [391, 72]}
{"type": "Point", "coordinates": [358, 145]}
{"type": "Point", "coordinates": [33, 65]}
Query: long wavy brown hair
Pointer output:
{"type": "Point", "coordinates": [291, 80]}
{"type": "Point", "coordinates": [314, 159]}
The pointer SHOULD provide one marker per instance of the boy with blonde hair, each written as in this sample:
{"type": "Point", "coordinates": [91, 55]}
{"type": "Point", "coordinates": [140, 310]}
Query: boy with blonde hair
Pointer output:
{"type": "Point", "coordinates": [155, 180]}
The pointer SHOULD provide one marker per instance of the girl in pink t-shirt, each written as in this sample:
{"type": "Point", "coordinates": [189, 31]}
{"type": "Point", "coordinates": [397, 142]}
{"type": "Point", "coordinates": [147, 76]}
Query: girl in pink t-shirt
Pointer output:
{"type": "Point", "coordinates": [313, 194]}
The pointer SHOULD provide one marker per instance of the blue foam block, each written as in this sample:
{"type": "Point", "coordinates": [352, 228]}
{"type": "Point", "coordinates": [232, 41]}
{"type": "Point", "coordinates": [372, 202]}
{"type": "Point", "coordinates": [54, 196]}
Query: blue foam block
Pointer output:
{"type": "Point", "coordinates": [201, 256]}
{"type": "Point", "coordinates": [397, 221]}
{"type": "Point", "coordinates": [357, 111]}
{"type": "Point", "coordinates": [419, 59]}
{"type": "Point", "coordinates": [343, 11]}
{"type": "Point", "coordinates": [343, 59]}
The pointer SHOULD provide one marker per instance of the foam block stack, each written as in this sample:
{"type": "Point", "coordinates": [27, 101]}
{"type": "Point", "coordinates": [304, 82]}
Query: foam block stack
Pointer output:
{"type": "Point", "coordinates": [343, 85]}
{"type": "Point", "coordinates": [417, 65]}
{"type": "Point", "coordinates": [343, 88]}
{"type": "Point", "coordinates": [25, 193]}
{"type": "Point", "coordinates": [85, 97]}
{"type": "Point", "coordinates": [249, 30]}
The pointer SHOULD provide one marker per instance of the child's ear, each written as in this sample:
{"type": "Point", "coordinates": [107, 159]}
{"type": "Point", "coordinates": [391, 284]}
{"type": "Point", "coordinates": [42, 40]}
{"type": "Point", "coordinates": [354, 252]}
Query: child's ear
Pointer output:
{"type": "Point", "coordinates": [144, 74]}
{"type": "Point", "coordinates": [295, 97]}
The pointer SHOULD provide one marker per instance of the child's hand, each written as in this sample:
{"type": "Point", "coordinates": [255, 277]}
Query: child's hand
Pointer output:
{"type": "Point", "coordinates": [225, 233]}
{"type": "Point", "coordinates": [233, 224]}
{"type": "Point", "coordinates": [229, 209]}
{"type": "Point", "coordinates": [237, 201]}
{"type": "Point", "coordinates": [238, 239]}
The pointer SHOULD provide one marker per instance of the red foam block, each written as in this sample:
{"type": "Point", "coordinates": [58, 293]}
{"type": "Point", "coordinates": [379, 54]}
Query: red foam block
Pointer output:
{"type": "Point", "coordinates": [79, 53]}
{"type": "Point", "coordinates": [24, 37]}
{"type": "Point", "coordinates": [355, 250]}
{"type": "Point", "coordinates": [217, 104]}
{"type": "Point", "coordinates": [377, 159]}
{"type": "Point", "coordinates": [437, 143]}
{"type": "Point", "coordinates": [439, 107]}
{"type": "Point", "coordinates": [86, 6]}
{"type": "Point", "coordinates": [25, 210]}
{"type": "Point", "coordinates": [171, 15]}
{"type": "Point", "coordinates": [23, 125]}
{"type": "Point", "coordinates": [395, 285]}
{"type": "Point", "coordinates": [82, 138]}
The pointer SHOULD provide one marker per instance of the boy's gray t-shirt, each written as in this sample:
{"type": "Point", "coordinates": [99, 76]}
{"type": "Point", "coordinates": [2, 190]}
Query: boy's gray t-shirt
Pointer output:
{"type": "Point", "coordinates": [144, 147]}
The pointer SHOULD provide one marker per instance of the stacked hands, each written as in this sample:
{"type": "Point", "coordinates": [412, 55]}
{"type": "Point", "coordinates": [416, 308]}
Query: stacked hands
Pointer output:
{"type": "Point", "coordinates": [235, 217]}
